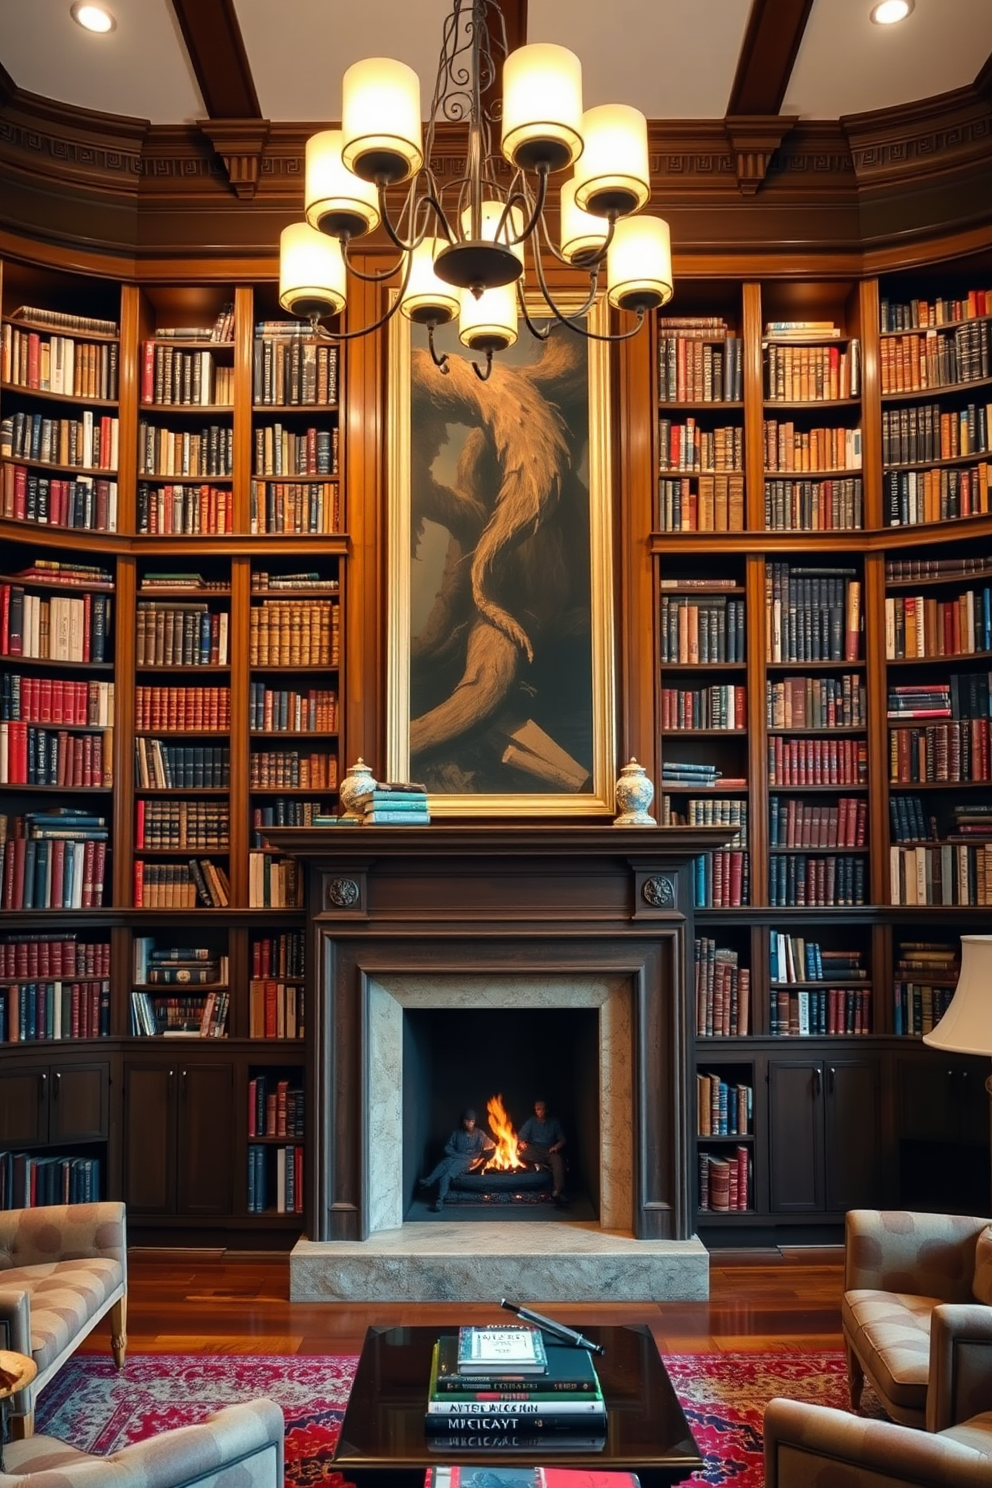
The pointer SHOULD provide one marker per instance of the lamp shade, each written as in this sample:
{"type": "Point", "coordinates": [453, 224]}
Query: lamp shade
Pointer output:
{"type": "Point", "coordinates": [639, 264]}
{"type": "Point", "coordinates": [582, 234]}
{"type": "Point", "coordinates": [380, 120]}
{"type": "Point", "coordinates": [488, 323]}
{"type": "Point", "coordinates": [612, 174]}
{"type": "Point", "coordinates": [492, 232]}
{"type": "Point", "coordinates": [542, 106]}
{"type": "Point", "coordinates": [966, 1027]}
{"type": "Point", "coordinates": [336, 200]}
{"type": "Point", "coordinates": [312, 272]}
{"type": "Point", "coordinates": [427, 299]}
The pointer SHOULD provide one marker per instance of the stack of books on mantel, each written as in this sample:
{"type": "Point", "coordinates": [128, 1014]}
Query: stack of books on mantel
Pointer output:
{"type": "Point", "coordinates": [507, 1389]}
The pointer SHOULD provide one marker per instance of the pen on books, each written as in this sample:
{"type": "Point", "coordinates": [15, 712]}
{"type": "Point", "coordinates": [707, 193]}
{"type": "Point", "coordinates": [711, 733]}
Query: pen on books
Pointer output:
{"type": "Point", "coordinates": [557, 1330]}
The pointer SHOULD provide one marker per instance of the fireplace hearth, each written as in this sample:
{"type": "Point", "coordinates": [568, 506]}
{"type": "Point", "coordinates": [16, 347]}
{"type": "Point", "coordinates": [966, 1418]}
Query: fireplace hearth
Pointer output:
{"type": "Point", "coordinates": [582, 935]}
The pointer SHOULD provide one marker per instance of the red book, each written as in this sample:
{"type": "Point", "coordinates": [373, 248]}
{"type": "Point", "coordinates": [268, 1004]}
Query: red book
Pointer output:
{"type": "Point", "coordinates": [148, 372]}
{"type": "Point", "coordinates": [271, 1012]}
{"type": "Point", "coordinates": [20, 492]}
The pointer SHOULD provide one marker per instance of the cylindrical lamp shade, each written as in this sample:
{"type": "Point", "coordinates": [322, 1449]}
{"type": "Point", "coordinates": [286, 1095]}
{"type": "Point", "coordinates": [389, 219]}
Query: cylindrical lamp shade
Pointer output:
{"type": "Point", "coordinates": [612, 174]}
{"type": "Point", "coordinates": [542, 106]}
{"type": "Point", "coordinates": [488, 323]}
{"type": "Point", "coordinates": [312, 273]}
{"type": "Point", "coordinates": [427, 299]}
{"type": "Point", "coordinates": [966, 1027]}
{"type": "Point", "coordinates": [582, 234]}
{"type": "Point", "coordinates": [639, 264]}
{"type": "Point", "coordinates": [380, 120]}
{"type": "Point", "coordinates": [337, 202]}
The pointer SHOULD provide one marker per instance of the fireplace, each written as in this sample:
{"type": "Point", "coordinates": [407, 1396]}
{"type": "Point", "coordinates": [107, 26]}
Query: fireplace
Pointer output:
{"type": "Point", "coordinates": [585, 931]}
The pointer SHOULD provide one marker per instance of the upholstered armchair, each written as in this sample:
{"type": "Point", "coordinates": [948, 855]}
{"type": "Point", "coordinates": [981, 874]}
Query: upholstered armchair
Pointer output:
{"type": "Point", "coordinates": [812, 1446]}
{"type": "Point", "coordinates": [62, 1268]}
{"type": "Point", "coordinates": [906, 1275]}
{"type": "Point", "coordinates": [240, 1446]}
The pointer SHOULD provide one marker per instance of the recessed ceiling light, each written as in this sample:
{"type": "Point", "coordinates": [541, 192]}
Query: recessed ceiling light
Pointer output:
{"type": "Point", "coordinates": [92, 17]}
{"type": "Point", "coordinates": [889, 11]}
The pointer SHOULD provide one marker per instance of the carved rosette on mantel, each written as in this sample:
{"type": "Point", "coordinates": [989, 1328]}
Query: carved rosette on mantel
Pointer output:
{"type": "Point", "coordinates": [634, 794]}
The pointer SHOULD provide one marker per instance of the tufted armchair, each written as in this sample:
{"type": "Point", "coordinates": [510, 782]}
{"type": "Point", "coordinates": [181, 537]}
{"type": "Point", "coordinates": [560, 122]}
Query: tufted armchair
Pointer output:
{"type": "Point", "coordinates": [62, 1267]}
{"type": "Point", "coordinates": [238, 1447]}
{"type": "Point", "coordinates": [905, 1276]}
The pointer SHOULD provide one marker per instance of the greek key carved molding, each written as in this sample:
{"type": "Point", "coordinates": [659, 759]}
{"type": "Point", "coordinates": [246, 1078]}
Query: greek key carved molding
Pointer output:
{"type": "Point", "coordinates": [80, 153]}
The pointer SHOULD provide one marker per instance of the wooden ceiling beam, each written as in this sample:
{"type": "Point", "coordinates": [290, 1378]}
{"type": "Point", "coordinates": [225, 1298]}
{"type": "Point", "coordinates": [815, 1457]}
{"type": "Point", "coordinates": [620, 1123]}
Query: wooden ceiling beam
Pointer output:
{"type": "Point", "coordinates": [768, 53]}
{"type": "Point", "coordinates": [217, 51]}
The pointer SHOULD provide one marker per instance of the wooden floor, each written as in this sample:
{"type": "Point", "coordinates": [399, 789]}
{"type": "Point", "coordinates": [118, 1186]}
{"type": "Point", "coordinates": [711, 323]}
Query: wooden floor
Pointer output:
{"type": "Point", "coordinates": [205, 1302]}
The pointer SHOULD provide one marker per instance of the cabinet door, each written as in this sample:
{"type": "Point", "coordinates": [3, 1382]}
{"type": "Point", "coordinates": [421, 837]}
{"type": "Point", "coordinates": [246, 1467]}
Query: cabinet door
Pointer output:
{"type": "Point", "coordinates": [926, 1097]}
{"type": "Point", "coordinates": [206, 1144]}
{"type": "Point", "coordinates": [150, 1138]}
{"type": "Point", "coordinates": [852, 1133]}
{"type": "Point", "coordinates": [80, 1100]}
{"type": "Point", "coordinates": [24, 1105]}
{"type": "Point", "coordinates": [795, 1135]}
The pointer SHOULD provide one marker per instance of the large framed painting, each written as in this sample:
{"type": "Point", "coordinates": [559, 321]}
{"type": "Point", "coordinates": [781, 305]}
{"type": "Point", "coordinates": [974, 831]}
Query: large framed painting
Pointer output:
{"type": "Point", "coordinates": [500, 616]}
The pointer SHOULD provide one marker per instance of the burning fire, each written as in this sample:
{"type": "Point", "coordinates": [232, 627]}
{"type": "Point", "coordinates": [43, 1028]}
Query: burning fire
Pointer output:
{"type": "Point", "coordinates": [505, 1158]}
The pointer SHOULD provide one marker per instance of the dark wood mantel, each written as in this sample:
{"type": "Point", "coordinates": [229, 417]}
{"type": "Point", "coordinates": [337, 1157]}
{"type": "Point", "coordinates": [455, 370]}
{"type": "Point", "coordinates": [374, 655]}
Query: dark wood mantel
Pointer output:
{"type": "Point", "coordinates": [501, 899]}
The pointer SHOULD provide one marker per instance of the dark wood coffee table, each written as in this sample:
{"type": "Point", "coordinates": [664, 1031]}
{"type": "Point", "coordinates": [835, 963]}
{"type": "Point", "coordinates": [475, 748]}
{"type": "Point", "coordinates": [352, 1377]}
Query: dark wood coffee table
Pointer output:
{"type": "Point", "coordinates": [383, 1443]}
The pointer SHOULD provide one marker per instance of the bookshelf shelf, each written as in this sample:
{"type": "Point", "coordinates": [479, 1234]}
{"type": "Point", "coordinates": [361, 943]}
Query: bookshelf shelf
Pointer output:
{"type": "Point", "coordinates": [941, 388]}
{"type": "Point", "coordinates": [96, 470]}
{"type": "Point", "coordinates": [44, 395]}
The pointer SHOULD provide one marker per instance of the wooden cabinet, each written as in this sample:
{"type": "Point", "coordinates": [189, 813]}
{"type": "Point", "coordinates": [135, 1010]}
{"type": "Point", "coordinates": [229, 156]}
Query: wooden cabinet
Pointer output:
{"type": "Point", "coordinates": [55, 1103]}
{"type": "Point", "coordinates": [943, 1115]}
{"type": "Point", "coordinates": [824, 1122]}
{"type": "Point", "coordinates": [179, 1137]}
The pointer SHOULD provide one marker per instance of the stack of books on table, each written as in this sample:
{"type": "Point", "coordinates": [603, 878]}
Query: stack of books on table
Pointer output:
{"type": "Point", "coordinates": [507, 1389]}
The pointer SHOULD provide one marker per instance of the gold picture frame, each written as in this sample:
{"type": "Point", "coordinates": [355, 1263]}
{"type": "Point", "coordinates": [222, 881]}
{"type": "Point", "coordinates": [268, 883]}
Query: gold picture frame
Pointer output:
{"type": "Point", "coordinates": [501, 692]}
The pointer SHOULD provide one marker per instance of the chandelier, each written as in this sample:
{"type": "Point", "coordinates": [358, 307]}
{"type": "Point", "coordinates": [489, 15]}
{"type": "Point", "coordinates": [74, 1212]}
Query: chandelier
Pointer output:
{"type": "Point", "coordinates": [462, 246]}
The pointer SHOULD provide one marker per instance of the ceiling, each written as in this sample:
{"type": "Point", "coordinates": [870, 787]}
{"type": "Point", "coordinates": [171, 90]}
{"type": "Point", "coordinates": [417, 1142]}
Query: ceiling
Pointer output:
{"type": "Point", "coordinates": [673, 59]}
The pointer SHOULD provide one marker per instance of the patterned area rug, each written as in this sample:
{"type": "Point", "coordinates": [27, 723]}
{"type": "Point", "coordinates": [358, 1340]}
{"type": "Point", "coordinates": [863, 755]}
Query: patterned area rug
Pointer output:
{"type": "Point", "coordinates": [94, 1407]}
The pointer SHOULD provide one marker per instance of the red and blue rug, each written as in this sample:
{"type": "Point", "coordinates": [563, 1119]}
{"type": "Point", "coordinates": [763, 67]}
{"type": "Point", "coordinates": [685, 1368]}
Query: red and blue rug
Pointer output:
{"type": "Point", "coordinates": [98, 1409]}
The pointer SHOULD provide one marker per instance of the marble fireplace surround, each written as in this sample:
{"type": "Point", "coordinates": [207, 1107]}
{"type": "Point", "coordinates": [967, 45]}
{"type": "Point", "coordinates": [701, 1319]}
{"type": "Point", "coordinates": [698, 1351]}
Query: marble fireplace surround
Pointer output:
{"type": "Point", "coordinates": [388, 998]}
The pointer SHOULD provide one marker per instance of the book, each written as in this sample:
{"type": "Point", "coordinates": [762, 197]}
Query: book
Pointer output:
{"type": "Point", "coordinates": [569, 1371]}
{"type": "Point", "coordinates": [455, 1476]}
{"type": "Point", "coordinates": [498, 1349]}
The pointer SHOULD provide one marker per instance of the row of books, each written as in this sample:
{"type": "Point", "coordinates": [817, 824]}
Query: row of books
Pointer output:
{"type": "Point", "coordinates": [274, 882]}
{"type": "Point", "coordinates": [31, 755]}
{"type": "Point", "coordinates": [281, 1191]}
{"type": "Point", "coordinates": [694, 370]}
{"type": "Point", "coordinates": [59, 364]}
{"type": "Point", "coordinates": [33, 1011]}
{"type": "Point", "coordinates": [294, 632]}
{"type": "Point", "coordinates": [30, 1182]}
{"type": "Point", "coordinates": [284, 710]}
{"type": "Point", "coordinates": [64, 320]}
{"type": "Point", "coordinates": [186, 509]}
{"type": "Point", "coordinates": [722, 991]}
{"type": "Point", "coordinates": [721, 880]}
{"type": "Point", "coordinates": [910, 497]}
{"type": "Point", "coordinates": [935, 752]}
{"type": "Point", "coordinates": [912, 314]}
{"type": "Point", "coordinates": [285, 811]}
{"type": "Point", "coordinates": [723, 1109]}
{"type": "Point", "coordinates": [691, 773]}
{"type": "Point", "coordinates": [176, 825]}
{"type": "Point", "coordinates": [901, 570]}
{"type": "Point", "coordinates": [721, 706]}
{"type": "Point", "coordinates": [963, 695]}
{"type": "Point", "coordinates": [924, 626]}
{"type": "Point", "coordinates": [836, 879]}
{"type": "Point", "coordinates": [53, 860]}
{"type": "Point", "coordinates": [829, 761]}
{"type": "Point", "coordinates": [797, 451]}
{"type": "Point", "coordinates": [816, 702]}
{"type": "Point", "coordinates": [293, 370]}
{"type": "Point", "coordinates": [704, 503]}
{"type": "Point", "coordinates": [283, 451]}
{"type": "Point", "coordinates": [792, 958]}
{"type": "Point", "coordinates": [185, 452]}
{"type": "Point", "coordinates": [814, 506]}
{"type": "Point", "coordinates": [312, 507]}
{"type": "Point", "coordinates": [951, 873]}
{"type": "Point", "coordinates": [90, 442]}
{"type": "Point", "coordinates": [702, 631]}
{"type": "Point", "coordinates": [812, 614]}
{"type": "Point", "coordinates": [687, 446]}
{"type": "Point", "coordinates": [262, 580]}
{"type": "Point", "coordinates": [57, 573]}
{"type": "Point", "coordinates": [176, 965]}
{"type": "Point", "coordinates": [62, 628]}
{"type": "Point", "coordinates": [908, 822]}
{"type": "Point", "coordinates": [171, 1015]}
{"type": "Point", "coordinates": [796, 823]}
{"type": "Point", "coordinates": [814, 1013]}
{"type": "Point", "coordinates": [936, 358]}
{"type": "Point", "coordinates": [275, 1107]}
{"type": "Point", "coordinates": [396, 805]}
{"type": "Point", "coordinates": [37, 954]}
{"type": "Point", "coordinates": [171, 376]}
{"type": "Point", "coordinates": [926, 973]}
{"type": "Point", "coordinates": [919, 432]}
{"type": "Point", "coordinates": [725, 1182]}
{"type": "Point", "coordinates": [183, 709]}
{"type": "Point", "coordinates": [812, 374]}
{"type": "Point", "coordinates": [86, 502]}
{"type": "Point", "coordinates": [162, 766]}
{"type": "Point", "coordinates": [282, 955]}
{"type": "Point", "coordinates": [200, 883]}
{"type": "Point", "coordinates": [172, 634]}
{"type": "Point", "coordinates": [288, 769]}
{"type": "Point", "coordinates": [275, 1011]}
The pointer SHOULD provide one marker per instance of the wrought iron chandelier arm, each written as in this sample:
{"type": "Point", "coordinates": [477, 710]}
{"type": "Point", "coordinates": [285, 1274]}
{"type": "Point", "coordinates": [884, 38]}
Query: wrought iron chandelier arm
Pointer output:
{"type": "Point", "coordinates": [571, 320]}
{"type": "Point", "coordinates": [536, 209]}
{"type": "Point", "coordinates": [375, 325]}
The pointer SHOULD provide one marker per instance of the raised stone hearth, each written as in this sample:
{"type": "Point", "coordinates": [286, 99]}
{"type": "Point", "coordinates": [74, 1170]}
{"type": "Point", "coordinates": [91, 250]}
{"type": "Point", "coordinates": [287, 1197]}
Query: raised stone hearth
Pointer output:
{"type": "Point", "coordinates": [504, 918]}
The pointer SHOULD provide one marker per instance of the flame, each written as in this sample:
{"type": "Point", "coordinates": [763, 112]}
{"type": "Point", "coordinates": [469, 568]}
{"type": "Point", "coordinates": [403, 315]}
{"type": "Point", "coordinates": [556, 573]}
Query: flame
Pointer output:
{"type": "Point", "coordinates": [506, 1157]}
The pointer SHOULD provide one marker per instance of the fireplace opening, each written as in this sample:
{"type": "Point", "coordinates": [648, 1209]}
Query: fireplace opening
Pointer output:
{"type": "Point", "coordinates": [455, 1058]}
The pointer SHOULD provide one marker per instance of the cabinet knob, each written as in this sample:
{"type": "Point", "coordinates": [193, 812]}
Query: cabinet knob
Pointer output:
{"type": "Point", "coordinates": [42, 1086]}
{"type": "Point", "coordinates": [817, 1082]}
{"type": "Point", "coordinates": [58, 1085]}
